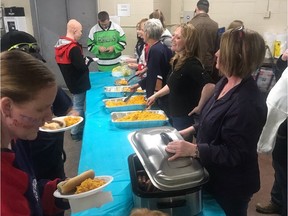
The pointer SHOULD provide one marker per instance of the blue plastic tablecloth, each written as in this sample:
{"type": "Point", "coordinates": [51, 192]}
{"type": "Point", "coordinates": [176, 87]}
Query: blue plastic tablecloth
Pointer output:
{"type": "Point", "coordinates": [105, 149]}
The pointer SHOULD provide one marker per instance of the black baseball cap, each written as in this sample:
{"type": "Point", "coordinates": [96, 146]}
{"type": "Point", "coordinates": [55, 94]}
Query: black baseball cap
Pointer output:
{"type": "Point", "coordinates": [15, 37]}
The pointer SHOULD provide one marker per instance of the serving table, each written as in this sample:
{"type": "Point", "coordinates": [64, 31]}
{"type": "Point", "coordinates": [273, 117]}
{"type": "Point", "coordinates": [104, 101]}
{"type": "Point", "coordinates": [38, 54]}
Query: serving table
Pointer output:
{"type": "Point", "coordinates": [105, 149]}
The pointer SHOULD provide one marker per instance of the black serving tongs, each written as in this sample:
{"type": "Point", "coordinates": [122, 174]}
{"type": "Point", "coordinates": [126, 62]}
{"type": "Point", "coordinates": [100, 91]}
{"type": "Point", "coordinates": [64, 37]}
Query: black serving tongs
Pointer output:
{"type": "Point", "coordinates": [117, 82]}
{"type": "Point", "coordinates": [136, 75]}
{"type": "Point", "coordinates": [131, 78]}
{"type": "Point", "coordinates": [129, 96]}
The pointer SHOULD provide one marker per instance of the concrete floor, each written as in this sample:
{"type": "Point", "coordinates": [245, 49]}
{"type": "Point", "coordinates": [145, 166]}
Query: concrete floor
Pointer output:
{"type": "Point", "coordinates": [73, 150]}
{"type": "Point", "coordinates": [267, 179]}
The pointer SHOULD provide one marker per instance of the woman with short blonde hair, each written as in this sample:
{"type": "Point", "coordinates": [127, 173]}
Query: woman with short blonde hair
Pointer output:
{"type": "Point", "coordinates": [230, 124]}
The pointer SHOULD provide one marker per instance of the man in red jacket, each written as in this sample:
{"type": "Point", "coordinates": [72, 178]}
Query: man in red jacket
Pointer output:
{"type": "Point", "coordinates": [70, 59]}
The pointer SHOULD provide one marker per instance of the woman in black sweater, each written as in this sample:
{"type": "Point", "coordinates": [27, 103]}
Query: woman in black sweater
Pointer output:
{"type": "Point", "coordinates": [186, 80]}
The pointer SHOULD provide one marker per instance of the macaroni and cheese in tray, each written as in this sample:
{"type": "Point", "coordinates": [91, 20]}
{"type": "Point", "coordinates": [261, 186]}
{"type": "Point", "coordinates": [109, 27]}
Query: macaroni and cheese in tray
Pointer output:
{"type": "Point", "coordinates": [137, 102]}
{"type": "Point", "coordinates": [139, 119]}
{"type": "Point", "coordinates": [120, 91]}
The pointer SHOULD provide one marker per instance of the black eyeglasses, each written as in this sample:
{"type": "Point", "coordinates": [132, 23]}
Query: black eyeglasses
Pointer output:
{"type": "Point", "coordinates": [26, 47]}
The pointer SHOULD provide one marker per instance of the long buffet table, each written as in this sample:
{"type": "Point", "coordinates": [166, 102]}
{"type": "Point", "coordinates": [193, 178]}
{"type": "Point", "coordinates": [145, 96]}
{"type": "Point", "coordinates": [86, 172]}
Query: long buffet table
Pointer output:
{"type": "Point", "coordinates": [105, 149]}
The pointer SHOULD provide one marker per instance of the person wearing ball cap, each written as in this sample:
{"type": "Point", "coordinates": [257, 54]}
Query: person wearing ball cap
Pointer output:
{"type": "Point", "coordinates": [46, 151]}
{"type": "Point", "coordinates": [19, 40]}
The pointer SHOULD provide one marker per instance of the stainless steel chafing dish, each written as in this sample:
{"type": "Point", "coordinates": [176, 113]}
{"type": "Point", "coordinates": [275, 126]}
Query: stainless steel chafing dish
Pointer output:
{"type": "Point", "coordinates": [178, 182]}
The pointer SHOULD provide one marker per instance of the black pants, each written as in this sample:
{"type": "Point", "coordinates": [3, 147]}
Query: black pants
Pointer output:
{"type": "Point", "coordinates": [163, 104]}
{"type": "Point", "coordinates": [279, 156]}
{"type": "Point", "coordinates": [235, 206]}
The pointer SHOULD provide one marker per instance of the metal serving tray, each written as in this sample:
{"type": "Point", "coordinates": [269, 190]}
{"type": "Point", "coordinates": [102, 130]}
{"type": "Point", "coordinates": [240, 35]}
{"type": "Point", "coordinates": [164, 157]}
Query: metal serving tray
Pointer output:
{"type": "Point", "coordinates": [118, 91]}
{"type": "Point", "coordinates": [182, 173]}
{"type": "Point", "coordinates": [137, 124]}
{"type": "Point", "coordinates": [123, 108]}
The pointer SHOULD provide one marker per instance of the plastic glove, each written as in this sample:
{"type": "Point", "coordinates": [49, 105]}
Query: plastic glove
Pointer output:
{"type": "Point", "coordinates": [88, 60]}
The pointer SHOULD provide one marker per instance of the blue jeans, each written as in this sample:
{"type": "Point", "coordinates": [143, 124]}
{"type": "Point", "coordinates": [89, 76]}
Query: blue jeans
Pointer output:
{"type": "Point", "coordinates": [79, 106]}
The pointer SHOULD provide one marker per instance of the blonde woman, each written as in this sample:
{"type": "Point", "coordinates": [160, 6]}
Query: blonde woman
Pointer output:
{"type": "Point", "coordinates": [185, 82]}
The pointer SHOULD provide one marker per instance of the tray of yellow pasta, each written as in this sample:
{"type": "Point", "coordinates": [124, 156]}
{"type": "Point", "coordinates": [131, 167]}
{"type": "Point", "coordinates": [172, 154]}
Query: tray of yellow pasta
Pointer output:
{"type": "Point", "coordinates": [139, 119]}
{"type": "Point", "coordinates": [137, 102]}
{"type": "Point", "coordinates": [120, 91]}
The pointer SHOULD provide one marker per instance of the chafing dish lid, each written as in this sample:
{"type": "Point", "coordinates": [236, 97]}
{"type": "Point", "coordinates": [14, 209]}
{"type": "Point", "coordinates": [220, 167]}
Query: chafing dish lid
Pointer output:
{"type": "Point", "coordinates": [182, 173]}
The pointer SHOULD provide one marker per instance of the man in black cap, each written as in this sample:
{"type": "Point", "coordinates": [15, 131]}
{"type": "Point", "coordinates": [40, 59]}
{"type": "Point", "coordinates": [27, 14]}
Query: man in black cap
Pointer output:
{"type": "Point", "coordinates": [208, 31]}
{"type": "Point", "coordinates": [46, 151]}
{"type": "Point", "coordinates": [21, 41]}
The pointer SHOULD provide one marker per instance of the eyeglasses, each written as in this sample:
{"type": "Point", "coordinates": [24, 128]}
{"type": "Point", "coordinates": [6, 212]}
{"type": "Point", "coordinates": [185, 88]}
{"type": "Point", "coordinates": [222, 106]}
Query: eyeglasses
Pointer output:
{"type": "Point", "coordinates": [240, 31]}
{"type": "Point", "coordinates": [26, 47]}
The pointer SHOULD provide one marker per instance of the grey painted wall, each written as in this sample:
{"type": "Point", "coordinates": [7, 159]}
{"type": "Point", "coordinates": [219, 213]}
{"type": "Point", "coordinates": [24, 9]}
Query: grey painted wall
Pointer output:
{"type": "Point", "coordinates": [49, 22]}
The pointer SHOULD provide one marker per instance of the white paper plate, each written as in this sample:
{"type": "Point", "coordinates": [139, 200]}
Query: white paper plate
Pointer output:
{"type": "Point", "coordinates": [108, 180]}
{"type": "Point", "coordinates": [64, 128]}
